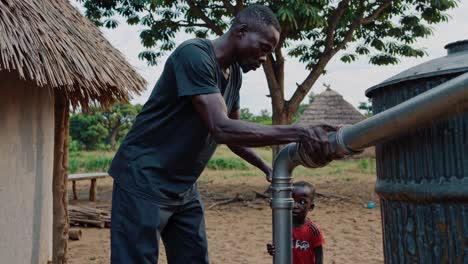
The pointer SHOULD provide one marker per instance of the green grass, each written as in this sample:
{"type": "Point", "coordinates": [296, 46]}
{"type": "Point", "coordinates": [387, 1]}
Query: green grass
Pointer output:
{"type": "Point", "coordinates": [89, 161]}
{"type": "Point", "coordinates": [229, 164]}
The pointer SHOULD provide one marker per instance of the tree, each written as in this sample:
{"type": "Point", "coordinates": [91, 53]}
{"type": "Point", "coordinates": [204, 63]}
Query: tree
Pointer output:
{"type": "Point", "coordinates": [312, 31]}
{"type": "Point", "coordinates": [246, 115]}
{"type": "Point", "coordinates": [117, 121]}
{"type": "Point", "coordinates": [366, 107]}
{"type": "Point", "coordinates": [103, 127]}
{"type": "Point", "coordinates": [263, 118]}
{"type": "Point", "coordinates": [88, 129]}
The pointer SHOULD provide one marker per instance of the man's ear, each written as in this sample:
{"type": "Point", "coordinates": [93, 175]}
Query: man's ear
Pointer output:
{"type": "Point", "coordinates": [241, 30]}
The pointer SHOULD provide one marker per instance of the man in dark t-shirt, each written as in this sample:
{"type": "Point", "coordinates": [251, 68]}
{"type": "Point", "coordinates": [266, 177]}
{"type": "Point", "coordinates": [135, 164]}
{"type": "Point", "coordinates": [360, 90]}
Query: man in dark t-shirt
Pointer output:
{"type": "Point", "coordinates": [193, 107]}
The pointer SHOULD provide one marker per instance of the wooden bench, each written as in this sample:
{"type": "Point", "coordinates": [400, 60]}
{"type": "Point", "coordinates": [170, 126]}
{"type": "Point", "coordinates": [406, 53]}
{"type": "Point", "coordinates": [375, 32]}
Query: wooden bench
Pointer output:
{"type": "Point", "coordinates": [87, 176]}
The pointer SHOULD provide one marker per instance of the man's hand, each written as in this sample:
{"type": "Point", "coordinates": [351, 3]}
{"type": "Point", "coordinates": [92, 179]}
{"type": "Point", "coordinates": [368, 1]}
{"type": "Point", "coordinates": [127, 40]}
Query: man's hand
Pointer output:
{"type": "Point", "coordinates": [269, 174]}
{"type": "Point", "coordinates": [271, 249]}
{"type": "Point", "coordinates": [317, 146]}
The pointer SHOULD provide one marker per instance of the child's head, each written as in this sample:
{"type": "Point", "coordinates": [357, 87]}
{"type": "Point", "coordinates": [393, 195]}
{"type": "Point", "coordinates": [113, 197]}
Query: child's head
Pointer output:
{"type": "Point", "coordinates": [303, 194]}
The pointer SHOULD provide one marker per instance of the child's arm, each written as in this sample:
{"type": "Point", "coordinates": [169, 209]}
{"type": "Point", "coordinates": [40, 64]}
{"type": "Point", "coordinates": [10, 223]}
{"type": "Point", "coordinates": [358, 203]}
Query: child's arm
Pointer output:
{"type": "Point", "coordinates": [318, 255]}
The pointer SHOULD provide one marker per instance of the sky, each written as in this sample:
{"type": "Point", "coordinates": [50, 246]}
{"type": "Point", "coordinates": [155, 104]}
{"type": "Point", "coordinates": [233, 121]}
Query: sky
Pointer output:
{"type": "Point", "coordinates": [350, 80]}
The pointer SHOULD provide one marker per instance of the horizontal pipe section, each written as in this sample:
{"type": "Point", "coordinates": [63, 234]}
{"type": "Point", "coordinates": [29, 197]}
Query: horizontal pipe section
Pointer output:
{"type": "Point", "coordinates": [448, 98]}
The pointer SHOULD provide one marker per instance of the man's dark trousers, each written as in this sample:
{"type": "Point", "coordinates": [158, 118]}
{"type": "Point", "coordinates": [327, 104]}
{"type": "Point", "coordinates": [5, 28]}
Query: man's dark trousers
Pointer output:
{"type": "Point", "coordinates": [138, 224]}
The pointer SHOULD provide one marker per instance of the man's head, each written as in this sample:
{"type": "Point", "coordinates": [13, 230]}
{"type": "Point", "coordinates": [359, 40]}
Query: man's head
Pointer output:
{"type": "Point", "coordinates": [303, 195]}
{"type": "Point", "coordinates": [255, 33]}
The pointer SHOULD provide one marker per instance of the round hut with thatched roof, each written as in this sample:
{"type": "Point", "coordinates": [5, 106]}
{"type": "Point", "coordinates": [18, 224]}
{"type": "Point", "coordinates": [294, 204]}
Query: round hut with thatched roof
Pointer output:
{"type": "Point", "coordinates": [51, 57]}
{"type": "Point", "coordinates": [329, 107]}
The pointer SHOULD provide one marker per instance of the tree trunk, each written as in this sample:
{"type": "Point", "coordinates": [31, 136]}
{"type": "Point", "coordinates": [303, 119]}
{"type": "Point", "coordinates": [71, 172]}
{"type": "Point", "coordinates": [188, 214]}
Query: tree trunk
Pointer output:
{"type": "Point", "coordinates": [283, 117]}
{"type": "Point", "coordinates": [113, 137]}
{"type": "Point", "coordinates": [59, 182]}
{"type": "Point", "coordinates": [282, 113]}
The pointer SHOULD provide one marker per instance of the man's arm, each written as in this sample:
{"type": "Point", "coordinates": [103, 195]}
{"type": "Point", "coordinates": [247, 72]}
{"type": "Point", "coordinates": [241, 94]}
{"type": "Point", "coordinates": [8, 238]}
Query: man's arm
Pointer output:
{"type": "Point", "coordinates": [318, 255]}
{"type": "Point", "coordinates": [212, 110]}
{"type": "Point", "coordinates": [248, 154]}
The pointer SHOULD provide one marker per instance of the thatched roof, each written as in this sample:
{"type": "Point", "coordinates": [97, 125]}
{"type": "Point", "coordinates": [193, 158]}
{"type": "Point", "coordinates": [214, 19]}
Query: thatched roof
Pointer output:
{"type": "Point", "coordinates": [329, 107]}
{"type": "Point", "coordinates": [52, 44]}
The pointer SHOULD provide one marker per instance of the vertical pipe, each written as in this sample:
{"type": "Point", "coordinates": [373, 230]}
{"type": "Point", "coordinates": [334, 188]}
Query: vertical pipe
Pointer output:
{"type": "Point", "coordinates": [282, 203]}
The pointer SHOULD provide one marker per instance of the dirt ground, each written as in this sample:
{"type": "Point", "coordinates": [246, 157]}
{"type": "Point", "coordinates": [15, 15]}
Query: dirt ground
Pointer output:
{"type": "Point", "coordinates": [238, 232]}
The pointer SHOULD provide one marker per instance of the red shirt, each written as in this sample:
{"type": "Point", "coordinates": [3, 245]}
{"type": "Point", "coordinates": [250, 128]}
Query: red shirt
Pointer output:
{"type": "Point", "coordinates": [305, 239]}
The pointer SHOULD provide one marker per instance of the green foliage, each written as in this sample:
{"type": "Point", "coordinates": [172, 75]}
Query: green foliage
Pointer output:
{"type": "Point", "coordinates": [102, 129]}
{"type": "Point", "coordinates": [246, 115]}
{"type": "Point", "coordinates": [366, 165]}
{"type": "Point", "coordinates": [117, 120]}
{"type": "Point", "coordinates": [382, 30]}
{"type": "Point", "coordinates": [363, 164]}
{"type": "Point", "coordinates": [87, 129]}
{"type": "Point", "coordinates": [263, 118]}
{"type": "Point", "coordinates": [366, 107]}
{"type": "Point", "coordinates": [97, 163]}
{"type": "Point", "coordinates": [227, 164]}
{"type": "Point", "coordinates": [73, 145]}
{"type": "Point", "coordinates": [89, 161]}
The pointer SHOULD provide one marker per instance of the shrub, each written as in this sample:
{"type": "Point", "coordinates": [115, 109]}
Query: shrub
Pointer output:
{"type": "Point", "coordinates": [74, 145]}
{"type": "Point", "coordinates": [103, 147]}
{"type": "Point", "coordinates": [366, 165]}
{"type": "Point", "coordinates": [73, 165]}
{"type": "Point", "coordinates": [97, 163]}
{"type": "Point", "coordinates": [88, 163]}
{"type": "Point", "coordinates": [227, 164]}
{"type": "Point", "coordinates": [363, 164]}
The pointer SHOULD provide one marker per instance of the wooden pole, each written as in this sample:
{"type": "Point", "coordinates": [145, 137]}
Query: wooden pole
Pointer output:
{"type": "Point", "coordinates": [59, 182]}
{"type": "Point", "coordinates": [75, 196]}
{"type": "Point", "coordinates": [92, 190]}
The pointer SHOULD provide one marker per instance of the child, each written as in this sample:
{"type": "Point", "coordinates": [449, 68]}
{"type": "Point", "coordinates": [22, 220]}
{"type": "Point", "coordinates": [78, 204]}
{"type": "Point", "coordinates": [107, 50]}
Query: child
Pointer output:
{"type": "Point", "coordinates": [307, 237]}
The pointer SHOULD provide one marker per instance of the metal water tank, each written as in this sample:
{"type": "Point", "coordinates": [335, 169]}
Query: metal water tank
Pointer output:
{"type": "Point", "coordinates": [422, 177]}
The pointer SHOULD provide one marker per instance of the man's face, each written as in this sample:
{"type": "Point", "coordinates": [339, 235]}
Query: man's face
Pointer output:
{"type": "Point", "coordinates": [254, 46]}
{"type": "Point", "coordinates": [302, 196]}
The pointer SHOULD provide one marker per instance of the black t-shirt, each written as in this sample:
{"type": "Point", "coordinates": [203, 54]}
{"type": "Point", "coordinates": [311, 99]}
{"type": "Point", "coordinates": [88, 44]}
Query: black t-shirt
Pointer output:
{"type": "Point", "coordinates": [168, 146]}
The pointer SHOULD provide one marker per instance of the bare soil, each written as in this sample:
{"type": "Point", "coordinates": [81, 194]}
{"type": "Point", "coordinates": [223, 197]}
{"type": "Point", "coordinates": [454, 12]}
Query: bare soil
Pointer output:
{"type": "Point", "coordinates": [238, 232]}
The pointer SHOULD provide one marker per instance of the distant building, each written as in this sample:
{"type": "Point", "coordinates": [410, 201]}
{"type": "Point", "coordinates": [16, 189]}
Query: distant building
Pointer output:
{"type": "Point", "coordinates": [329, 107]}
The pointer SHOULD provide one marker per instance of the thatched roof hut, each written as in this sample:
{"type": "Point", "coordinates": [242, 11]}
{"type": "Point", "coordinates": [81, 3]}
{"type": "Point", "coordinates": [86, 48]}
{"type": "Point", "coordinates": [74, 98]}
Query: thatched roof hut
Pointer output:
{"type": "Point", "coordinates": [50, 56]}
{"type": "Point", "coordinates": [329, 107]}
{"type": "Point", "coordinates": [53, 45]}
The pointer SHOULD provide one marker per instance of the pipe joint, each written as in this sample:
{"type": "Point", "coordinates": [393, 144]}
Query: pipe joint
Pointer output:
{"type": "Point", "coordinates": [281, 189]}
{"type": "Point", "coordinates": [286, 203]}
{"type": "Point", "coordinates": [341, 146]}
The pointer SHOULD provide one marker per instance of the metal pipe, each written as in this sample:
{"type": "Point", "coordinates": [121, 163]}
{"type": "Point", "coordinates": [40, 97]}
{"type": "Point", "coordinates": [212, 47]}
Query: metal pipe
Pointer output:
{"type": "Point", "coordinates": [282, 202]}
{"type": "Point", "coordinates": [447, 98]}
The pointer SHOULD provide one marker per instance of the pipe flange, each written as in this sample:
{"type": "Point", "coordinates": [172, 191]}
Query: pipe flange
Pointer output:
{"type": "Point", "coordinates": [281, 189]}
{"type": "Point", "coordinates": [282, 203]}
{"type": "Point", "coordinates": [341, 143]}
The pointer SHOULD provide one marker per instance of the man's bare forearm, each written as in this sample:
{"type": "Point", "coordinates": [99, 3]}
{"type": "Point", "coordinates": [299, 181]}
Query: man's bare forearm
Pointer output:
{"type": "Point", "coordinates": [252, 157]}
{"type": "Point", "coordinates": [242, 133]}
{"type": "Point", "coordinates": [224, 130]}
